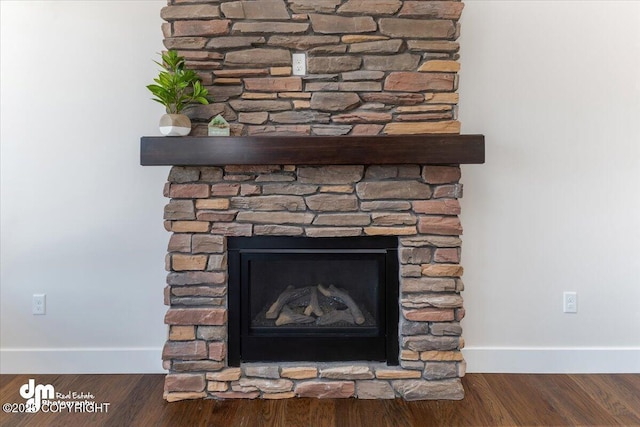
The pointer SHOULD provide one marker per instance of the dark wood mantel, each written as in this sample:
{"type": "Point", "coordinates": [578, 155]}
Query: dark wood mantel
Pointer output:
{"type": "Point", "coordinates": [312, 150]}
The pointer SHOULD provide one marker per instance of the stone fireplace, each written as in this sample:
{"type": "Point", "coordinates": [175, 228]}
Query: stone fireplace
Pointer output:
{"type": "Point", "coordinates": [363, 148]}
{"type": "Point", "coordinates": [418, 205]}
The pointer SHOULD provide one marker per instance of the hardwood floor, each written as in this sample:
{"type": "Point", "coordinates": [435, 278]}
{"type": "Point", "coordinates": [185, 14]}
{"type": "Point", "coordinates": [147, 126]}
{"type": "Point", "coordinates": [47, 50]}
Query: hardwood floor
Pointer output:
{"type": "Point", "coordinates": [491, 400]}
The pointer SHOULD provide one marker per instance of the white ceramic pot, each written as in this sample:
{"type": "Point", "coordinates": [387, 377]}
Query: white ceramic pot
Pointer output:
{"type": "Point", "coordinates": [175, 125]}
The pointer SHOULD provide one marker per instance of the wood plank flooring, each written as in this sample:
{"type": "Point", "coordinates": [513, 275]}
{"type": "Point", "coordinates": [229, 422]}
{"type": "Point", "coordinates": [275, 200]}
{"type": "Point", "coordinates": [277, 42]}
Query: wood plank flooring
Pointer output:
{"type": "Point", "coordinates": [491, 400]}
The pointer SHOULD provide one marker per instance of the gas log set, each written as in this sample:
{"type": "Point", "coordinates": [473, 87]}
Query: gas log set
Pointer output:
{"type": "Point", "coordinates": [314, 305]}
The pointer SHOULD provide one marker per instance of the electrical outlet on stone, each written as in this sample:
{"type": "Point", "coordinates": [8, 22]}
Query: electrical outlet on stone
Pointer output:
{"type": "Point", "coordinates": [299, 61]}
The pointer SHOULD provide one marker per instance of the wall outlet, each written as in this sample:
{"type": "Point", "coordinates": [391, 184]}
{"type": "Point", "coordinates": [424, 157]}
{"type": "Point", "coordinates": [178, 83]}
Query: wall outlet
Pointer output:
{"type": "Point", "coordinates": [570, 302]}
{"type": "Point", "coordinates": [39, 304]}
{"type": "Point", "coordinates": [299, 64]}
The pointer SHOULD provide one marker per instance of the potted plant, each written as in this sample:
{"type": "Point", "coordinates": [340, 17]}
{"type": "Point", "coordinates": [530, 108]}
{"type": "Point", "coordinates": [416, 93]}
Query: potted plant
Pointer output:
{"type": "Point", "coordinates": [176, 87]}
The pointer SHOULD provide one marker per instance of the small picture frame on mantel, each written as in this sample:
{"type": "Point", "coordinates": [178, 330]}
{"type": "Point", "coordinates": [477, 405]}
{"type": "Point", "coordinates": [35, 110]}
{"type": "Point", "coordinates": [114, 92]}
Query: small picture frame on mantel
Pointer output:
{"type": "Point", "coordinates": [218, 126]}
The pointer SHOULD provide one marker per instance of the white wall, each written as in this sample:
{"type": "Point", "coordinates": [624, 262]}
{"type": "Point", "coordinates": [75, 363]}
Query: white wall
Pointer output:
{"type": "Point", "coordinates": [554, 86]}
{"type": "Point", "coordinates": [81, 219]}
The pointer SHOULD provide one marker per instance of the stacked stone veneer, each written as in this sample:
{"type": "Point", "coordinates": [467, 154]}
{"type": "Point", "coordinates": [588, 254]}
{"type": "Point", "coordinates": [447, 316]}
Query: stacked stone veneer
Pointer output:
{"type": "Point", "coordinates": [417, 203]}
{"type": "Point", "coordinates": [374, 66]}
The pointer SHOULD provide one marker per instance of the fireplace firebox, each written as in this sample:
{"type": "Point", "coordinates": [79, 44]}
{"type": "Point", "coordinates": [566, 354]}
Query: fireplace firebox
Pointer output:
{"type": "Point", "coordinates": [313, 299]}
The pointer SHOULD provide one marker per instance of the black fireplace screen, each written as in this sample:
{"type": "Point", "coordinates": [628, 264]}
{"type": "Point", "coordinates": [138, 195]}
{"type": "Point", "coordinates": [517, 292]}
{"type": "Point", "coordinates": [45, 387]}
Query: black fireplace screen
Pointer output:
{"type": "Point", "coordinates": [320, 299]}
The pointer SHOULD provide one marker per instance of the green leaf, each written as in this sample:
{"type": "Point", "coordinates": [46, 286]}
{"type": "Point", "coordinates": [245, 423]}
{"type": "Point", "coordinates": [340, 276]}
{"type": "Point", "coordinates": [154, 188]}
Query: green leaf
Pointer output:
{"type": "Point", "coordinates": [176, 86]}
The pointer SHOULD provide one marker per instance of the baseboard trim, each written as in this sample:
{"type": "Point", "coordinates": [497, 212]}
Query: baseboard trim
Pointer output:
{"type": "Point", "coordinates": [132, 360]}
{"type": "Point", "coordinates": [553, 360]}
{"type": "Point", "coordinates": [146, 360]}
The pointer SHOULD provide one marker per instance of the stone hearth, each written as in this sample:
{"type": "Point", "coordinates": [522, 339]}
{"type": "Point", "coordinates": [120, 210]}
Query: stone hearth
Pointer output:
{"type": "Point", "coordinates": [417, 203]}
